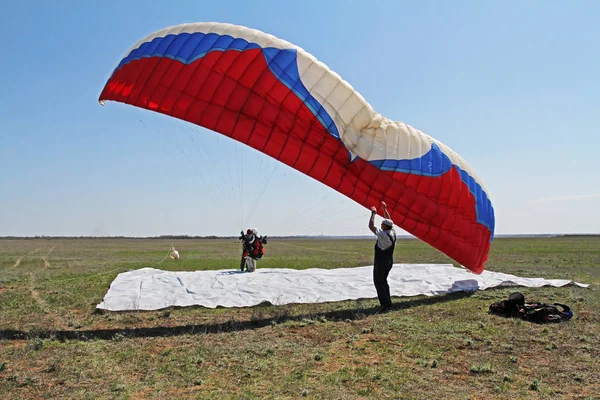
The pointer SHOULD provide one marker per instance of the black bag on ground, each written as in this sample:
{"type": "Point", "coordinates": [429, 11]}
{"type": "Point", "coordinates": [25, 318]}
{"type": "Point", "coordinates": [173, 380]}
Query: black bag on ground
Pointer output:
{"type": "Point", "coordinates": [541, 313]}
{"type": "Point", "coordinates": [515, 306]}
{"type": "Point", "coordinates": [510, 307]}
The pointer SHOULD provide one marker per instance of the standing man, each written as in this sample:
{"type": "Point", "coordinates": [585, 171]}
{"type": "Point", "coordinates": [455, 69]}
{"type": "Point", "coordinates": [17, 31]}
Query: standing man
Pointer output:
{"type": "Point", "coordinates": [253, 249]}
{"type": "Point", "coordinates": [247, 243]}
{"type": "Point", "coordinates": [384, 256]}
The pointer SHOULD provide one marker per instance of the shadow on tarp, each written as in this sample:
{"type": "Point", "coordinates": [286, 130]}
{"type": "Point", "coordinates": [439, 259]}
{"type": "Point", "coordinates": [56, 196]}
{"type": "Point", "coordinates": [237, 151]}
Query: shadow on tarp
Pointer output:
{"type": "Point", "coordinates": [227, 326]}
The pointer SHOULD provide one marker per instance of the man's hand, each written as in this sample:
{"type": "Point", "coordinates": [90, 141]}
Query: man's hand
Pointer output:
{"type": "Point", "coordinates": [372, 220]}
{"type": "Point", "coordinates": [386, 214]}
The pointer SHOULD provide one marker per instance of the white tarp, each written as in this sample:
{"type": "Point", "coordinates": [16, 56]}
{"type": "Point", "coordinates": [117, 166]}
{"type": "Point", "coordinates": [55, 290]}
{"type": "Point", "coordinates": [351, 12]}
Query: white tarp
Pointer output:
{"type": "Point", "coordinates": [153, 289]}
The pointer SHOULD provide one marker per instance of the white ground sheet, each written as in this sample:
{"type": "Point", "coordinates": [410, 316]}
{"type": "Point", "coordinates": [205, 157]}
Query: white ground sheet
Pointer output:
{"type": "Point", "coordinates": [153, 289]}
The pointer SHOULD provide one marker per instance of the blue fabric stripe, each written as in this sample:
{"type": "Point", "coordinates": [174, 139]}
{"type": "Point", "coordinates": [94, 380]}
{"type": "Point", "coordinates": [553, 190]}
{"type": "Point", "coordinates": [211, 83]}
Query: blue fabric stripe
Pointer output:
{"type": "Point", "coordinates": [432, 163]}
{"type": "Point", "coordinates": [483, 205]}
{"type": "Point", "coordinates": [284, 65]}
{"type": "Point", "coordinates": [187, 47]}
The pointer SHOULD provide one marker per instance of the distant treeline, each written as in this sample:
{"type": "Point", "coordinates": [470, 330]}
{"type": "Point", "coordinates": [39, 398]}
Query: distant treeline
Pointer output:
{"type": "Point", "coordinates": [177, 237]}
{"type": "Point", "coordinates": [188, 237]}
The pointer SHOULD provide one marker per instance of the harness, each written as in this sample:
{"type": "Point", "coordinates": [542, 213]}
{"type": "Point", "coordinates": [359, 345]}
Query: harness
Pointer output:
{"type": "Point", "coordinates": [258, 250]}
{"type": "Point", "coordinates": [385, 256]}
{"type": "Point", "coordinates": [540, 312]}
{"type": "Point", "coordinates": [254, 248]}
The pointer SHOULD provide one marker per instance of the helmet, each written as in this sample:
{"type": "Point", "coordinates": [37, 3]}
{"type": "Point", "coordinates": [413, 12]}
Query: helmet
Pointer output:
{"type": "Point", "coordinates": [254, 231]}
{"type": "Point", "coordinates": [249, 231]}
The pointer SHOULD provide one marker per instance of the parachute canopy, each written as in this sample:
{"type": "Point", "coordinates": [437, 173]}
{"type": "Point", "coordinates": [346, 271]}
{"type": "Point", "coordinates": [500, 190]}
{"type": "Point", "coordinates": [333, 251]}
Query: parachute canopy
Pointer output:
{"type": "Point", "coordinates": [277, 98]}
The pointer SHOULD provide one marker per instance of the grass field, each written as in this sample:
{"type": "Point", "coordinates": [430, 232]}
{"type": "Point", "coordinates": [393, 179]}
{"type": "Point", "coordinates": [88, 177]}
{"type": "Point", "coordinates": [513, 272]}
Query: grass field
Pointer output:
{"type": "Point", "coordinates": [54, 345]}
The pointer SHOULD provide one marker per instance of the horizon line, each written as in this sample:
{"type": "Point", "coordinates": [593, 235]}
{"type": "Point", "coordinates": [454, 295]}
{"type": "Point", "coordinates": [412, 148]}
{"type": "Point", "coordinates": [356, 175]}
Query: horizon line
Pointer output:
{"type": "Point", "coordinates": [269, 236]}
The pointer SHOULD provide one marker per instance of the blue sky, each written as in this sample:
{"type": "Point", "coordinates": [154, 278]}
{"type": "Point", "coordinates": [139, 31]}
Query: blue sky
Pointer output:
{"type": "Point", "coordinates": [513, 87]}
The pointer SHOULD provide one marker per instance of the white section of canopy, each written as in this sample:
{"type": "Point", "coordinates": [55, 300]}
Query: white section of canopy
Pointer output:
{"type": "Point", "coordinates": [153, 289]}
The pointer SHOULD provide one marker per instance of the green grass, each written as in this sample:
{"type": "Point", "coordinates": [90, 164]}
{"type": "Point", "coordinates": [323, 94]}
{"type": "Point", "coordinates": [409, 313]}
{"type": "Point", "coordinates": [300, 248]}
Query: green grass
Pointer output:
{"type": "Point", "coordinates": [54, 345]}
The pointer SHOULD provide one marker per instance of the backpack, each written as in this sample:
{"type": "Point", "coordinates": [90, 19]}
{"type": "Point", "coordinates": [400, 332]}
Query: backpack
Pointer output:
{"type": "Point", "coordinates": [536, 312]}
{"type": "Point", "coordinates": [510, 307]}
{"type": "Point", "coordinates": [258, 249]}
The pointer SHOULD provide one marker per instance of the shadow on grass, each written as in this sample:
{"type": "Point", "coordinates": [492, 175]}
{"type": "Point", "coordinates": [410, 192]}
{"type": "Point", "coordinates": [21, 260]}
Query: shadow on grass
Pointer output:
{"type": "Point", "coordinates": [227, 326]}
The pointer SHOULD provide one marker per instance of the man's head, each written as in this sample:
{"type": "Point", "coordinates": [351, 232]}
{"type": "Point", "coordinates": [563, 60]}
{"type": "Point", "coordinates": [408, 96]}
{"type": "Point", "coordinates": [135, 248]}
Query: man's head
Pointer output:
{"type": "Point", "coordinates": [387, 224]}
{"type": "Point", "coordinates": [249, 231]}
